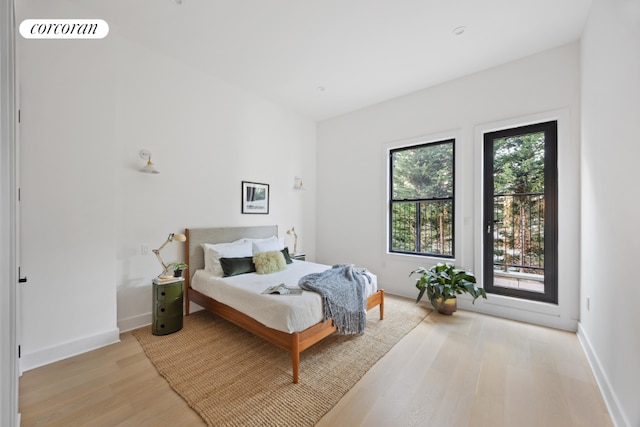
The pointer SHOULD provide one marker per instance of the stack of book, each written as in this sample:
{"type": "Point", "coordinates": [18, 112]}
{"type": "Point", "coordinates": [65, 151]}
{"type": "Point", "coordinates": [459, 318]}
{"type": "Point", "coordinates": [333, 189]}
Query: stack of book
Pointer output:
{"type": "Point", "coordinates": [163, 280]}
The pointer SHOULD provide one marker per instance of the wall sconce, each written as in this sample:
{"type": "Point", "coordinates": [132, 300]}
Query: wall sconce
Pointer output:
{"type": "Point", "coordinates": [149, 167]}
{"type": "Point", "coordinates": [173, 236]}
{"type": "Point", "coordinates": [298, 183]}
{"type": "Point", "coordinates": [292, 232]}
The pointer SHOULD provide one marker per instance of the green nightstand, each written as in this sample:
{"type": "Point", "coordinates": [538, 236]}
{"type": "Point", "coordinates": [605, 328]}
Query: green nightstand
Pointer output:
{"type": "Point", "coordinates": [299, 257]}
{"type": "Point", "coordinates": [167, 307]}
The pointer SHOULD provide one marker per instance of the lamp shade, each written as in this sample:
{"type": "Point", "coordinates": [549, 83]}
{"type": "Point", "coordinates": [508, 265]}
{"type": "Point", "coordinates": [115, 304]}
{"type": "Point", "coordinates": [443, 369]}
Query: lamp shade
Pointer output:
{"type": "Point", "coordinates": [149, 167]}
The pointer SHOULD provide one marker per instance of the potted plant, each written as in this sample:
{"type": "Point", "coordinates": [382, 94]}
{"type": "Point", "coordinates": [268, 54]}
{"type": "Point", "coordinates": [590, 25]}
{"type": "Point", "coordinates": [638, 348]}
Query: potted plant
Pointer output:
{"type": "Point", "coordinates": [443, 282]}
{"type": "Point", "coordinates": [178, 267]}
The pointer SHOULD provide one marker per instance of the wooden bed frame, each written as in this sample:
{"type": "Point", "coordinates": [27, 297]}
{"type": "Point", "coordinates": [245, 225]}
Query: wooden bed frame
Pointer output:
{"type": "Point", "coordinates": [295, 343]}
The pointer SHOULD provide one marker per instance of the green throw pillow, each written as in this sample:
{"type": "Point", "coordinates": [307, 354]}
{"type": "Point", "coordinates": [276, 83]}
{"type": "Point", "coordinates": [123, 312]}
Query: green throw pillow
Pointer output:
{"type": "Point", "coordinates": [287, 257]}
{"type": "Point", "coordinates": [235, 266]}
{"type": "Point", "coordinates": [269, 262]}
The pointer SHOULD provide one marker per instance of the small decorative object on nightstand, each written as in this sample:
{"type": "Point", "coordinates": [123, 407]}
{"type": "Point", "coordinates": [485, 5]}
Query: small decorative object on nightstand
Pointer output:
{"type": "Point", "coordinates": [299, 257]}
{"type": "Point", "coordinates": [167, 305]}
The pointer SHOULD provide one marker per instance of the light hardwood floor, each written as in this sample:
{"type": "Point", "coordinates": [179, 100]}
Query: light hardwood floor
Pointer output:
{"type": "Point", "coordinates": [462, 370]}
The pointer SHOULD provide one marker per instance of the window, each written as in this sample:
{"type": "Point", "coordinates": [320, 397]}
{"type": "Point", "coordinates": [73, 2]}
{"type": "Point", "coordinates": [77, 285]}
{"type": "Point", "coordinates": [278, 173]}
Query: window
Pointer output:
{"type": "Point", "coordinates": [421, 199]}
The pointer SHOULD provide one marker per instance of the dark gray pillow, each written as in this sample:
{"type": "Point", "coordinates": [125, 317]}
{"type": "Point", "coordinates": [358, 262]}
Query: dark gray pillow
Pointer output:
{"type": "Point", "coordinates": [287, 258]}
{"type": "Point", "coordinates": [235, 266]}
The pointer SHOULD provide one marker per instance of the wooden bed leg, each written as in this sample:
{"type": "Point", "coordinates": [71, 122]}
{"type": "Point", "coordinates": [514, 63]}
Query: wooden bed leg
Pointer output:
{"type": "Point", "coordinates": [381, 304]}
{"type": "Point", "coordinates": [295, 356]}
{"type": "Point", "coordinates": [187, 282]}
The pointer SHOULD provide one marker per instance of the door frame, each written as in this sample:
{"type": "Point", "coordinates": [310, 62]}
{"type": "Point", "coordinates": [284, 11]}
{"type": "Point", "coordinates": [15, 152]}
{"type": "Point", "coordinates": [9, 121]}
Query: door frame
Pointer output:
{"type": "Point", "coordinates": [565, 314]}
{"type": "Point", "coordinates": [550, 214]}
{"type": "Point", "coordinates": [9, 415]}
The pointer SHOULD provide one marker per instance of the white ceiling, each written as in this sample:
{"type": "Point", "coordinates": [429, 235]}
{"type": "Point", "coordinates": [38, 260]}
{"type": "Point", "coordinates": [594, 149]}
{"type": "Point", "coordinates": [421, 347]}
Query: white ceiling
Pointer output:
{"type": "Point", "coordinates": [361, 52]}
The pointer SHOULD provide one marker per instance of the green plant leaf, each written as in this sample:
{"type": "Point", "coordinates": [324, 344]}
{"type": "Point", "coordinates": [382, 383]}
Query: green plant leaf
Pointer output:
{"type": "Point", "coordinates": [418, 270]}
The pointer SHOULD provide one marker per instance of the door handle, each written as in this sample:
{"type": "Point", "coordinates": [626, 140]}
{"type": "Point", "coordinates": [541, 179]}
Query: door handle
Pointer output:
{"type": "Point", "coordinates": [21, 279]}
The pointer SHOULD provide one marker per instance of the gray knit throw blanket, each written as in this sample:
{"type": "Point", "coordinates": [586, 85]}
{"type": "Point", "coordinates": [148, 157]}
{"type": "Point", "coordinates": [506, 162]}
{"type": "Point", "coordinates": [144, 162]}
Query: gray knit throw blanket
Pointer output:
{"type": "Point", "coordinates": [342, 288]}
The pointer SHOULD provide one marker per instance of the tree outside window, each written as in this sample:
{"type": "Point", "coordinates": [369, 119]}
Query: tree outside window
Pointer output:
{"type": "Point", "coordinates": [518, 179]}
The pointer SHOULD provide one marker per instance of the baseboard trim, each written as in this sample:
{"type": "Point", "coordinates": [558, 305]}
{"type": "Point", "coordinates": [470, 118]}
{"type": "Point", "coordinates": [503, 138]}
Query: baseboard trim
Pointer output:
{"type": "Point", "coordinates": [134, 322]}
{"type": "Point", "coordinates": [68, 349]}
{"type": "Point", "coordinates": [618, 417]}
{"type": "Point", "coordinates": [524, 311]}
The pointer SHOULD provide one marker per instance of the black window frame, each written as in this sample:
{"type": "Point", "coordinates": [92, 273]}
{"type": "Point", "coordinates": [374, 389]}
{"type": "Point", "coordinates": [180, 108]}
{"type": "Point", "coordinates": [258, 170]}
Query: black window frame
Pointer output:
{"type": "Point", "coordinates": [417, 201]}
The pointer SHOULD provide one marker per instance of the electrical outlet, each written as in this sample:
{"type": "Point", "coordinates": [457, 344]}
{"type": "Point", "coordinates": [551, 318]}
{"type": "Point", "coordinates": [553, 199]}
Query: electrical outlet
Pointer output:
{"type": "Point", "coordinates": [144, 249]}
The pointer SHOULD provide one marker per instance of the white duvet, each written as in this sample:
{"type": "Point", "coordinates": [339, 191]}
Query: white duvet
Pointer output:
{"type": "Point", "coordinates": [286, 313]}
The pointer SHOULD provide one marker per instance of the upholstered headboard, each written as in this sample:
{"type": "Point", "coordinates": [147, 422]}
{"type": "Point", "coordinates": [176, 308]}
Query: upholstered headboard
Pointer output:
{"type": "Point", "coordinates": [197, 236]}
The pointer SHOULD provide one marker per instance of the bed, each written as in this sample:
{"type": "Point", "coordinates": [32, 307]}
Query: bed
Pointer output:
{"type": "Point", "coordinates": [286, 337]}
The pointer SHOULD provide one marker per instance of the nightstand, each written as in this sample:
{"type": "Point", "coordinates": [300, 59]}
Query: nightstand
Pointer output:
{"type": "Point", "coordinates": [167, 307]}
{"type": "Point", "coordinates": [299, 257]}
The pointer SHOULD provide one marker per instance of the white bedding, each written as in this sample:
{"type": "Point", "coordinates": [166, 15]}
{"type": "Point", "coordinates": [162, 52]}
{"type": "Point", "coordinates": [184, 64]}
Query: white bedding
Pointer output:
{"type": "Point", "coordinates": [286, 313]}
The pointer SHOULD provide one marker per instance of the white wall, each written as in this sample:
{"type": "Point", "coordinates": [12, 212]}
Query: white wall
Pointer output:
{"type": "Point", "coordinates": [610, 203]}
{"type": "Point", "coordinates": [67, 195]}
{"type": "Point", "coordinates": [207, 137]}
{"type": "Point", "coordinates": [352, 173]}
{"type": "Point", "coordinates": [88, 109]}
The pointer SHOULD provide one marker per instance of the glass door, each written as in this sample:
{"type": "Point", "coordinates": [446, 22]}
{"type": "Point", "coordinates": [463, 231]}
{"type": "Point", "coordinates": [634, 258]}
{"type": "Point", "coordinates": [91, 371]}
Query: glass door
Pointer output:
{"type": "Point", "coordinates": [520, 212]}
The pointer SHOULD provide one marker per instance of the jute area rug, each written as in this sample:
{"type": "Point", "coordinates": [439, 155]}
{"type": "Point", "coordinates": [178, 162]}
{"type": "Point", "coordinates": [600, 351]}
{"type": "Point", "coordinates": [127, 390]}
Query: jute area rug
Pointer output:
{"type": "Point", "coordinates": [232, 378]}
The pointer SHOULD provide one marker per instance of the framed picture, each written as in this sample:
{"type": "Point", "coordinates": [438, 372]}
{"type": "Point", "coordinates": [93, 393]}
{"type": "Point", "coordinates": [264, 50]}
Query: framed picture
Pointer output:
{"type": "Point", "coordinates": [255, 198]}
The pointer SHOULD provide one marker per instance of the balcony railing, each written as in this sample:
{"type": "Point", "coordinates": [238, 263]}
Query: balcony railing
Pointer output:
{"type": "Point", "coordinates": [422, 227]}
{"type": "Point", "coordinates": [518, 238]}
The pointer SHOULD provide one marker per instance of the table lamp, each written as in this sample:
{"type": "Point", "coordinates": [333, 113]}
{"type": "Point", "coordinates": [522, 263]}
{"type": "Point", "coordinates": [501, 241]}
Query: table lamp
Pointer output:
{"type": "Point", "coordinates": [173, 236]}
{"type": "Point", "coordinates": [292, 232]}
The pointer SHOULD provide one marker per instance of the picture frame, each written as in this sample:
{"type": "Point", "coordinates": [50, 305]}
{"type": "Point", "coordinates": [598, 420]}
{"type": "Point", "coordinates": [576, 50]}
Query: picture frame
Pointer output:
{"type": "Point", "coordinates": [255, 198]}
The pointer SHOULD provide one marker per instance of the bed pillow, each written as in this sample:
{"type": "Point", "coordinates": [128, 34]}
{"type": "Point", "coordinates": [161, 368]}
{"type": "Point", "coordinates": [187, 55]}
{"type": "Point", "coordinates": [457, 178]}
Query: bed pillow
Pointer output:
{"type": "Point", "coordinates": [258, 240]}
{"type": "Point", "coordinates": [266, 245]}
{"type": "Point", "coordinates": [213, 253]}
{"type": "Point", "coordinates": [287, 257]}
{"type": "Point", "coordinates": [236, 266]}
{"type": "Point", "coordinates": [269, 262]}
{"type": "Point", "coordinates": [254, 240]}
